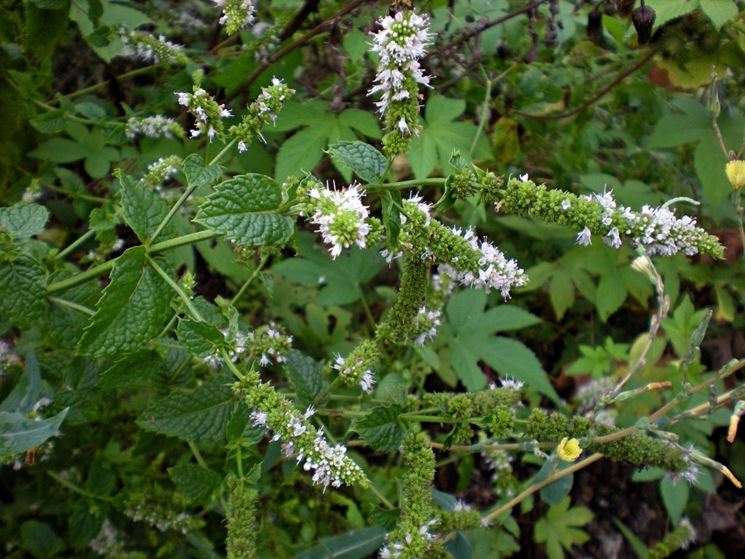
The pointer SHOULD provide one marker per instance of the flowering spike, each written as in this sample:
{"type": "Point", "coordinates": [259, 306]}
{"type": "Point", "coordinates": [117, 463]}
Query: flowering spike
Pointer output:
{"type": "Point", "coordinates": [236, 14]}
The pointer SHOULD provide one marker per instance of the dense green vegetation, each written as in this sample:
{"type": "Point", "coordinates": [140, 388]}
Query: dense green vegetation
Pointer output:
{"type": "Point", "coordinates": [321, 279]}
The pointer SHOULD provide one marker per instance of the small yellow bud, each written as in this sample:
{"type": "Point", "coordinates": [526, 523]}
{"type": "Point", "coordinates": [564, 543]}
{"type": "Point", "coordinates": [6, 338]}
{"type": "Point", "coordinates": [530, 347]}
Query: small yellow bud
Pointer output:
{"type": "Point", "coordinates": [569, 449]}
{"type": "Point", "coordinates": [736, 173]}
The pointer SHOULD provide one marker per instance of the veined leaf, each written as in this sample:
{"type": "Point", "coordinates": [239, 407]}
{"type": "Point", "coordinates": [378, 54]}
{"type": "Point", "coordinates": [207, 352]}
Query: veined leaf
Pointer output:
{"type": "Point", "coordinates": [19, 433]}
{"type": "Point", "coordinates": [355, 544]}
{"type": "Point", "coordinates": [133, 308]}
{"type": "Point", "coordinates": [362, 159]}
{"type": "Point", "coordinates": [380, 428]}
{"type": "Point", "coordinates": [200, 415]}
{"type": "Point", "coordinates": [23, 220]}
{"type": "Point", "coordinates": [22, 290]}
{"type": "Point", "coordinates": [245, 210]}
{"type": "Point", "coordinates": [143, 208]}
{"type": "Point", "coordinates": [306, 376]}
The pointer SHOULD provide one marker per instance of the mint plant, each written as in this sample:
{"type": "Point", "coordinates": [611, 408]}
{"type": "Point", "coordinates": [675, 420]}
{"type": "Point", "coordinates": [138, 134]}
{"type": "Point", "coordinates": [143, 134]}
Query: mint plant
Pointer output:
{"type": "Point", "coordinates": [204, 357]}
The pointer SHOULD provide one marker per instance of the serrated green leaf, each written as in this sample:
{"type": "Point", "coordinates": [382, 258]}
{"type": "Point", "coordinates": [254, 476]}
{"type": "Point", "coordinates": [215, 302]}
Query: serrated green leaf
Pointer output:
{"type": "Point", "coordinates": [19, 433]}
{"type": "Point", "coordinates": [61, 150]}
{"type": "Point", "coordinates": [26, 392]}
{"type": "Point", "coordinates": [199, 415]}
{"type": "Point", "coordinates": [199, 338]}
{"type": "Point", "coordinates": [143, 208]}
{"type": "Point", "coordinates": [195, 482]}
{"type": "Point", "coordinates": [22, 290]}
{"type": "Point", "coordinates": [514, 359]}
{"type": "Point", "coordinates": [306, 377]}
{"type": "Point", "coordinates": [198, 174]}
{"type": "Point", "coordinates": [133, 308]}
{"type": "Point", "coordinates": [561, 292]}
{"type": "Point", "coordinates": [355, 544]}
{"type": "Point", "coordinates": [23, 220]}
{"type": "Point", "coordinates": [559, 528]}
{"type": "Point", "coordinates": [244, 209]}
{"type": "Point", "coordinates": [362, 159]}
{"type": "Point", "coordinates": [381, 429]}
{"type": "Point", "coordinates": [39, 539]}
{"type": "Point", "coordinates": [51, 122]}
{"type": "Point", "coordinates": [136, 368]}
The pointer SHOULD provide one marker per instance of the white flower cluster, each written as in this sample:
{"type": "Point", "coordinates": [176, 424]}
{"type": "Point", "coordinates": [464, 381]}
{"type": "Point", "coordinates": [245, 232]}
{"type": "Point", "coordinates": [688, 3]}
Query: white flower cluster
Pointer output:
{"type": "Point", "coordinates": [353, 370]}
{"type": "Point", "coordinates": [261, 113]}
{"type": "Point", "coordinates": [422, 536]}
{"type": "Point", "coordinates": [157, 126]}
{"type": "Point", "coordinates": [496, 271]}
{"type": "Point", "coordinates": [207, 112]}
{"type": "Point", "coordinates": [162, 170]}
{"type": "Point", "coordinates": [149, 48]}
{"type": "Point", "coordinates": [426, 323]}
{"type": "Point", "coordinates": [400, 43]}
{"type": "Point", "coordinates": [341, 217]}
{"type": "Point", "coordinates": [330, 464]}
{"type": "Point", "coordinates": [509, 383]}
{"type": "Point", "coordinates": [269, 344]}
{"type": "Point", "coordinates": [236, 14]}
{"type": "Point", "coordinates": [657, 230]}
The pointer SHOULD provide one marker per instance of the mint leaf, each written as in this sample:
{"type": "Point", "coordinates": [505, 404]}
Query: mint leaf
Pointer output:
{"type": "Point", "coordinates": [362, 159]}
{"type": "Point", "coordinates": [132, 310]}
{"type": "Point", "coordinates": [198, 174]}
{"type": "Point", "coordinates": [135, 368]}
{"type": "Point", "coordinates": [19, 433]}
{"type": "Point", "coordinates": [560, 528]}
{"type": "Point", "coordinates": [142, 207]}
{"type": "Point", "coordinates": [244, 209]}
{"type": "Point", "coordinates": [195, 482]}
{"type": "Point", "coordinates": [199, 415]}
{"type": "Point", "coordinates": [199, 338]}
{"type": "Point", "coordinates": [22, 290]}
{"type": "Point", "coordinates": [354, 544]}
{"type": "Point", "coordinates": [306, 377]}
{"type": "Point", "coordinates": [23, 220]}
{"type": "Point", "coordinates": [381, 429]}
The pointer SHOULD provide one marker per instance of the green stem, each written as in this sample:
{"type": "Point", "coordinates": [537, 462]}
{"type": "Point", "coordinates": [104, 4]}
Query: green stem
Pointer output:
{"type": "Point", "coordinates": [75, 195]}
{"type": "Point", "coordinates": [172, 211]}
{"type": "Point", "coordinates": [406, 184]}
{"type": "Point", "coordinates": [72, 487]}
{"type": "Point", "coordinates": [368, 313]}
{"type": "Point", "coordinates": [224, 150]}
{"type": "Point", "coordinates": [739, 210]}
{"type": "Point", "coordinates": [327, 391]}
{"type": "Point", "coordinates": [250, 279]}
{"type": "Point", "coordinates": [75, 244]}
{"type": "Point", "coordinates": [99, 85]}
{"type": "Point", "coordinates": [176, 287]}
{"type": "Point", "coordinates": [105, 267]}
{"type": "Point", "coordinates": [197, 454]}
{"type": "Point", "coordinates": [375, 491]}
{"type": "Point", "coordinates": [72, 305]}
{"type": "Point", "coordinates": [484, 112]}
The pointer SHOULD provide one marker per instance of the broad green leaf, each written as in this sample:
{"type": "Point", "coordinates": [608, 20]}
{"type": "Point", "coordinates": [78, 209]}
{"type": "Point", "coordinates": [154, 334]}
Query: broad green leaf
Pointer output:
{"type": "Point", "coordinates": [362, 121]}
{"type": "Point", "coordinates": [610, 295]}
{"type": "Point", "coordinates": [143, 208]}
{"type": "Point", "coordinates": [559, 529]}
{"type": "Point", "coordinates": [306, 376]}
{"type": "Point", "coordinates": [23, 220]}
{"type": "Point", "coordinates": [22, 290]}
{"type": "Point", "coordinates": [194, 482]}
{"type": "Point", "coordinates": [440, 136]}
{"type": "Point", "coordinates": [514, 359]}
{"type": "Point", "coordinates": [355, 544]}
{"type": "Point", "coordinates": [19, 433]}
{"type": "Point", "coordinates": [719, 11]}
{"type": "Point", "coordinates": [381, 429]}
{"type": "Point", "coordinates": [554, 493]}
{"type": "Point", "coordinates": [198, 174]}
{"type": "Point", "coordinates": [674, 497]}
{"type": "Point", "coordinates": [245, 208]}
{"type": "Point", "coordinates": [61, 150]}
{"type": "Point", "coordinates": [561, 292]}
{"type": "Point", "coordinates": [363, 159]}
{"type": "Point", "coordinates": [51, 122]}
{"type": "Point", "coordinates": [199, 415]}
{"type": "Point", "coordinates": [340, 280]}
{"type": "Point", "coordinates": [135, 368]}
{"type": "Point", "coordinates": [469, 335]}
{"type": "Point", "coordinates": [133, 308]}
{"type": "Point", "coordinates": [667, 10]}
{"type": "Point", "coordinates": [39, 539]}
{"type": "Point", "coordinates": [199, 338]}
{"type": "Point", "coordinates": [27, 390]}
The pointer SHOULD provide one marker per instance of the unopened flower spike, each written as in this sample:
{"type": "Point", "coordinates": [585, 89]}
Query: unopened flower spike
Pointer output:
{"type": "Point", "coordinates": [208, 113]}
{"type": "Point", "coordinates": [162, 170]}
{"type": "Point", "coordinates": [358, 367]}
{"type": "Point", "coordinates": [262, 112]}
{"type": "Point", "coordinates": [157, 126]}
{"type": "Point", "coordinates": [401, 41]}
{"type": "Point", "coordinates": [149, 48]}
{"type": "Point", "coordinates": [236, 14]}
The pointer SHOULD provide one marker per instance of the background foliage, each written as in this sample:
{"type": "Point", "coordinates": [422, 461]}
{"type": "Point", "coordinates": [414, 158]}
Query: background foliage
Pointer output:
{"type": "Point", "coordinates": [560, 90]}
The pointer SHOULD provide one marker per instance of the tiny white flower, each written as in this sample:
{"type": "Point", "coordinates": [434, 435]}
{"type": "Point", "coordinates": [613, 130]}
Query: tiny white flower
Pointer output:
{"type": "Point", "coordinates": [584, 237]}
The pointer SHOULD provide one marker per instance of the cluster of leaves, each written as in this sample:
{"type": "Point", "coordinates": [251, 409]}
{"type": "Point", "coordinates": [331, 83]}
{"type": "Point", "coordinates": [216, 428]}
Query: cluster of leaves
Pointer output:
{"type": "Point", "coordinates": [118, 439]}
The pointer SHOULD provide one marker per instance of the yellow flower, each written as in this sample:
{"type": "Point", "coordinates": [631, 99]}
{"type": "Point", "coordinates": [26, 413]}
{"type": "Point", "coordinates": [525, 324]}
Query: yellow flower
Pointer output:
{"type": "Point", "coordinates": [736, 173]}
{"type": "Point", "coordinates": [569, 449]}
